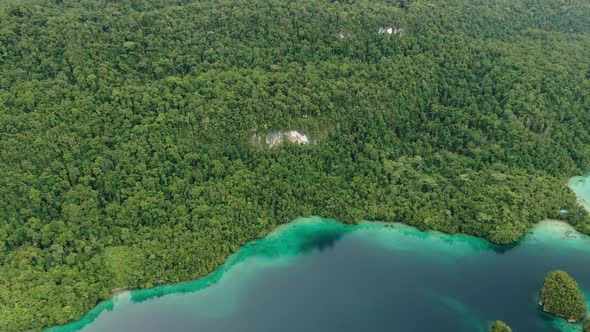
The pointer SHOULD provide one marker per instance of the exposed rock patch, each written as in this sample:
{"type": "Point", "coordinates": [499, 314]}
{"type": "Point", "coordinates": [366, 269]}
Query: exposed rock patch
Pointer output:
{"type": "Point", "coordinates": [391, 31]}
{"type": "Point", "coordinates": [277, 137]}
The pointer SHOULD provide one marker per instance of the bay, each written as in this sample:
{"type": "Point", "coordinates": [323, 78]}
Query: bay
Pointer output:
{"type": "Point", "coordinates": [320, 275]}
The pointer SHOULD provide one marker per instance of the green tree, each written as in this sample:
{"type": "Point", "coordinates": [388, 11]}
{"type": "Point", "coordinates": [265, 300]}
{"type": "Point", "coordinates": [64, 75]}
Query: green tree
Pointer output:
{"type": "Point", "coordinates": [118, 134]}
{"type": "Point", "coordinates": [561, 296]}
{"type": "Point", "coordinates": [500, 326]}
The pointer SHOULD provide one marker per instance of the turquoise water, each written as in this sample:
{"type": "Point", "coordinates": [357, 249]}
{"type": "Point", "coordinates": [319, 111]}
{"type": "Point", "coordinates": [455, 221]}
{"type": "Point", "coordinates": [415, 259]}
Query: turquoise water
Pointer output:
{"type": "Point", "coordinates": [320, 275]}
{"type": "Point", "coordinates": [581, 186]}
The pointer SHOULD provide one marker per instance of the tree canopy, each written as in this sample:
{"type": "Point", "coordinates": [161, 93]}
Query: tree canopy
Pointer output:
{"type": "Point", "coordinates": [561, 296]}
{"type": "Point", "coordinates": [128, 130]}
{"type": "Point", "coordinates": [499, 326]}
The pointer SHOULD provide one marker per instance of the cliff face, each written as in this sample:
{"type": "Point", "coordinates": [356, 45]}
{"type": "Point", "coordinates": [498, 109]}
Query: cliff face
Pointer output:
{"type": "Point", "coordinates": [277, 137]}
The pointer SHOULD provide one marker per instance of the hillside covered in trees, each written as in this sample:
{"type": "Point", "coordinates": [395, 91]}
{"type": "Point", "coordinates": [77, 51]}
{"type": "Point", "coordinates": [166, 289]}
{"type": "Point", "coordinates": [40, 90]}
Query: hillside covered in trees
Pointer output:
{"type": "Point", "coordinates": [126, 130]}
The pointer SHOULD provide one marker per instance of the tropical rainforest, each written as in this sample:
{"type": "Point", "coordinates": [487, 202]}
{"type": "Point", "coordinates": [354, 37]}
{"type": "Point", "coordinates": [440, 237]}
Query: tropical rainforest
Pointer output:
{"type": "Point", "coordinates": [562, 296]}
{"type": "Point", "coordinates": [128, 130]}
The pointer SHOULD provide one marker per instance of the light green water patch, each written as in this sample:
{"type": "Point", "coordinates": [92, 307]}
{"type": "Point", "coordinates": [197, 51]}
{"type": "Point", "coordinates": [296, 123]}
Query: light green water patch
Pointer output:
{"type": "Point", "coordinates": [469, 319]}
{"type": "Point", "coordinates": [581, 187]}
{"type": "Point", "coordinates": [557, 234]}
{"type": "Point", "coordinates": [401, 237]}
{"type": "Point", "coordinates": [563, 326]}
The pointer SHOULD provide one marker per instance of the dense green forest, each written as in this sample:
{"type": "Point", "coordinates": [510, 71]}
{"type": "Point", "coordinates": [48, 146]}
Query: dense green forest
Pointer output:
{"type": "Point", "coordinates": [126, 130]}
{"type": "Point", "coordinates": [562, 296]}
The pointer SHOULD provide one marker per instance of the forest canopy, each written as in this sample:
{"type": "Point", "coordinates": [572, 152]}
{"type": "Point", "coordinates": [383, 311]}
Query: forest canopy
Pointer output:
{"type": "Point", "coordinates": [561, 296]}
{"type": "Point", "coordinates": [500, 326]}
{"type": "Point", "coordinates": [128, 130]}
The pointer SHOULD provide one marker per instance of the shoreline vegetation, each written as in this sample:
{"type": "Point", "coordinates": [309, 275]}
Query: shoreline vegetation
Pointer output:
{"type": "Point", "coordinates": [254, 242]}
{"type": "Point", "coordinates": [235, 258]}
{"type": "Point", "coordinates": [126, 131]}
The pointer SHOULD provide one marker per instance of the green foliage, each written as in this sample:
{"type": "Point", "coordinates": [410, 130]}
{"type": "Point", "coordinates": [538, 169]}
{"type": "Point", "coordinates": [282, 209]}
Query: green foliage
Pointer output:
{"type": "Point", "coordinates": [499, 326]}
{"type": "Point", "coordinates": [505, 234]}
{"type": "Point", "coordinates": [587, 325]}
{"type": "Point", "coordinates": [126, 130]}
{"type": "Point", "coordinates": [561, 296]}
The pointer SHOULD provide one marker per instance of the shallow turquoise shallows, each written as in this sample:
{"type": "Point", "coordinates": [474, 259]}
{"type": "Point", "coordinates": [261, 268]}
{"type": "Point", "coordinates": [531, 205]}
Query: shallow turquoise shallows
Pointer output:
{"type": "Point", "coordinates": [581, 186]}
{"type": "Point", "coordinates": [319, 275]}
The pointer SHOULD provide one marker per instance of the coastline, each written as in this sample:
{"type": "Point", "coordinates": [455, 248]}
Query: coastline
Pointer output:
{"type": "Point", "coordinates": [276, 239]}
{"type": "Point", "coordinates": [216, 273]}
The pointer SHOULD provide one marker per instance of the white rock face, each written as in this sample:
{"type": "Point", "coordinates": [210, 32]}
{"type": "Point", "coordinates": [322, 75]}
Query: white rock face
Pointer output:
{"type": "Point", "coordinates": [391, 31]}
{"type": "Point", "coordinates": [277, 137]}
{"type": "Point", "coordinates": [296, 137]}
{"type": "Point", "coordinates": [274, 138]}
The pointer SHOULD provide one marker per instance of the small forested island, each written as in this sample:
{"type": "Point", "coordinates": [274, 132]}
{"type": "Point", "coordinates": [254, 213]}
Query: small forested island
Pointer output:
{"type": "Point", "coordinates": [143, 142]}
{"type": "Point", "coordinates": [562, 297]}
{"type": "Point", "coordinates": [500, 326]}
{"type": "Point", "coordinates": [587, 325]}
